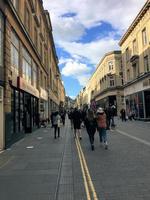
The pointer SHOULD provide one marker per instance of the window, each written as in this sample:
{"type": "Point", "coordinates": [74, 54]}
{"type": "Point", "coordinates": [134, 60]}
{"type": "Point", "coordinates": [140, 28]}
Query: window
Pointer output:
{"type": "Point", "coordinates": [144, 37]}
{"type": "Point", "coordinates": [45, 83]}
{"type": "Point", "coordinates": [26, 68]}
{"type": "Point", "coordinates": [134, 46]}
{"type": "Point", "coordinates": [128, 75]}
{"type": "Point", "coordinates": [41, 79]}
{"type": "Point", "coordinates": [110, 64]}
{"type": "Point", "coordinates": [27, 19]}
{"type": "Point", "coordinates": [146, 64]}
{"type": "Point", "coordinates": [127, 55]}
{"type": "Point", "coordinates": [15, 4]}
{"type": "Point", "coordinates": [34, 75]}
{"type": "Point", "coordinates": [41, 49]}
{"type": "Point", "coordinates": [15, 52]}
{"type": "Point", "coordinates": [36, 37]}
{"type": "Point", "coordinates": [1, 39]}
{"type": "Point", "coordinates": [112, 82]}
{"type": "Point", "coordinates": [134, 70]}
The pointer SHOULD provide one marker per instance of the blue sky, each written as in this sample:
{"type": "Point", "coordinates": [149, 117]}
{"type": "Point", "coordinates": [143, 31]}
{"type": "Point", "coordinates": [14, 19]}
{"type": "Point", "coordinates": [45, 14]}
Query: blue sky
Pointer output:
{"type": "Point", "coordinates": [84, 30]}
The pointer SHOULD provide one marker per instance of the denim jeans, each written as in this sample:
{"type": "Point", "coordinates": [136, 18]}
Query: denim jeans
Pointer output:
{"type": "Point", "coordinates": [103, 135]}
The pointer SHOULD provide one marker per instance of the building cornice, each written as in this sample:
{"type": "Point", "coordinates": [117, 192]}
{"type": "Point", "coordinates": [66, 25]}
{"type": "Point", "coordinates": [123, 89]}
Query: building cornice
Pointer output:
{"type": "Point", "coordinates": [135, 22]}
{"type": "Point", "coordinates": [139, 78]}
{"type": "Point", "coordinates": [108, 90]}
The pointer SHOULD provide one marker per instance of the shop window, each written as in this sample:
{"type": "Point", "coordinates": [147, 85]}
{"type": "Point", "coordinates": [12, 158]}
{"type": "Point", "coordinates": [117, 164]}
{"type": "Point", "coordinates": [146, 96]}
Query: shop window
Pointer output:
{"type": "Point", "coordinates": [15, 52]}
{"type": "Point", "coordinates": [146, 64]}
{"type": "Point", "coordinates": [144, 37]}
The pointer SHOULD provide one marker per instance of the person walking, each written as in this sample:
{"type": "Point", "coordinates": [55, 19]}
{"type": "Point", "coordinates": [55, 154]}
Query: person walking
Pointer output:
{"type": "Point", "coordinates": [101, 123]}
{"type": "Point", "coordinates": [90, 123]}
{"type": "Point", "coordinates": [70, 114]}
{"type": "Point", "coordinates": [56, 124]}
{"type": "Point", "coordinates": [77, 120]}
{"type": "Point", "coordinates": [123, 114]}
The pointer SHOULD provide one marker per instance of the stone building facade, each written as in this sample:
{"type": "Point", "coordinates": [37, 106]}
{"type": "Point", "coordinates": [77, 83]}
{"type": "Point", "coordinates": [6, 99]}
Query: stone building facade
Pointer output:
{"type": "Point", "coordinates": [135, 47]}
{"type": "Point", "coordinates": [29, 68]}
{"type": "Point", "coordinates": [105, 85]}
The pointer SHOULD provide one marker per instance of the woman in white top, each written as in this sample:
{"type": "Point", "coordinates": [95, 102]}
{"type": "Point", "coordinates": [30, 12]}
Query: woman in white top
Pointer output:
{"type": "Point", "coordinates": [56, 124]}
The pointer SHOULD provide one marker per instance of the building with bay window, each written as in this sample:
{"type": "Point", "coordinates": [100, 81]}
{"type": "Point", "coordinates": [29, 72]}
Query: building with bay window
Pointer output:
{"type": "Point", "coordinates": [135, 47]}
{"type": "Point", "coordinates": [105, 85]}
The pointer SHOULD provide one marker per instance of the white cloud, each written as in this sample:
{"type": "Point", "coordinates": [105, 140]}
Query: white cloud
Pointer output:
{"type": "Point", "coordinates": [93, 51]}
{"type": "Point", "coordinates": [77, 71]}
{"type": "Point", "coordinates": [89, 13]}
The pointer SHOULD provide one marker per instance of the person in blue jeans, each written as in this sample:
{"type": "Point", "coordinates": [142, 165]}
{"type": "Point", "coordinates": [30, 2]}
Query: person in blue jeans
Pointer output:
{"type": "Point", "coordinates": [102, 125]}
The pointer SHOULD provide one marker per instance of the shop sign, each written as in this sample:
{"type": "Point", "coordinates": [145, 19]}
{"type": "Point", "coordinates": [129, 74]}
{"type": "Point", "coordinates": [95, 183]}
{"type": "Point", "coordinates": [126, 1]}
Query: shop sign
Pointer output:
{"type": "Point", "coordinates": [146, 83]}
{"type": "Point", "coordinates": [23, 85]}
{"type": "Point", "coordinates": [43, 94]}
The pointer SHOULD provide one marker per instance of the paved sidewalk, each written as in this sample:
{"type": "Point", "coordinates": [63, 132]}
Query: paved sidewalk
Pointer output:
{"type": "Point", "coordinates": [30, 169]}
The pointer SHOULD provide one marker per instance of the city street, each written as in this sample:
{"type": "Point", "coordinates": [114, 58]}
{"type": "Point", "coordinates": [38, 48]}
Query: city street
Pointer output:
{"type": "Point", "coordinates": [39, 167]}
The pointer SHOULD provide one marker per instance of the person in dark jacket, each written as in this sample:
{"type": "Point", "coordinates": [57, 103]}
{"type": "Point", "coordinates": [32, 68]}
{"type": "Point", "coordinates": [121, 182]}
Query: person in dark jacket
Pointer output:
{"type": "Point", "coordinates": [123, 114]}
{"type": "Point", "coordinates": [77, 120]}
{"type": "Point", "coordinates": [90, 123]}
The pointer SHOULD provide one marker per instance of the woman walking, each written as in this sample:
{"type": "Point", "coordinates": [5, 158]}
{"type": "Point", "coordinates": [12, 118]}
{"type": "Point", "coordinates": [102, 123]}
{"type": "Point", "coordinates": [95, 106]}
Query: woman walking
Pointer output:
{"type": "Point", "coordinates": [77, 120]}
{"type": "Point", "coordinates": [56, 124]}
{"type": "Point", "coordinates": [102, 125]}
{"type": "Point", "coordinates": [90, 123]}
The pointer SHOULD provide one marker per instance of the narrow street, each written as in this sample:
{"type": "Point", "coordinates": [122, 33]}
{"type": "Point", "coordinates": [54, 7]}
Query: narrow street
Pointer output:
{"type": "Point", "coordinates": [40, 167]}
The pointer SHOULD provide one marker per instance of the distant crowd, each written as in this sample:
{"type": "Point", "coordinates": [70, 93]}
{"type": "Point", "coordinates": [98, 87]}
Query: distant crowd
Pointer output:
{"type": "Point", "coordinates": [92, 119]}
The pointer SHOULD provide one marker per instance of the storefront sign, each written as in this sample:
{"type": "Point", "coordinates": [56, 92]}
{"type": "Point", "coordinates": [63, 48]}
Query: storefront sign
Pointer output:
{"type": "Point", "coordinates": [23, 85]}
{"type": "Point", "coordinates": [43, 94]}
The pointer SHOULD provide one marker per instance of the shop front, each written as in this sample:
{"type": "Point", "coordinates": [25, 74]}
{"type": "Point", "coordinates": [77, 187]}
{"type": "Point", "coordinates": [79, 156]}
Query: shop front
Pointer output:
{"type": "Point", "coordinates": [137, 99]}
{"type": "Point", "coordinates": [24, 116]}
{"type": "Point", "coordinates": [43, 105]}
{"type": "Point", "coordinates": [29, 106]}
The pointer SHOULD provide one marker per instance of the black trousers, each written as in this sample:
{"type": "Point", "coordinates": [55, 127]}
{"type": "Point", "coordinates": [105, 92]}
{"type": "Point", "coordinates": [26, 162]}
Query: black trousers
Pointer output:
{"type": "Point", "coordinates": [91, 132]}
{"type": "Point", "coordinates": [56, 130]}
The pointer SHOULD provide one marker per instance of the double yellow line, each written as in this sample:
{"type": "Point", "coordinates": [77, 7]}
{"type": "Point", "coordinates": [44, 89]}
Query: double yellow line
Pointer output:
{"type": "Point", "coordinates": [88, 184]}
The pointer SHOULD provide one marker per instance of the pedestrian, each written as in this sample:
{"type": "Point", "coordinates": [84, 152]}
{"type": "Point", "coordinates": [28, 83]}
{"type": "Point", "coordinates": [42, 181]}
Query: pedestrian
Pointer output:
{"type": "Point", "coordinates": [90, 123]}
{"type": "Point", "coordinates": [101, 123]}
{"type": "Point", "coordinates": [70, 116]}
{"type": "Point", "coordinates": [63, 116]}
{"type": "Point", "coordinates": [123, 114]}
{"type": "Point", "coordinates": [77, 120]}
{"type": "Point", "coordinates": [52, 119]}
{"type": "Point", "coordinates": [56, 124]}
